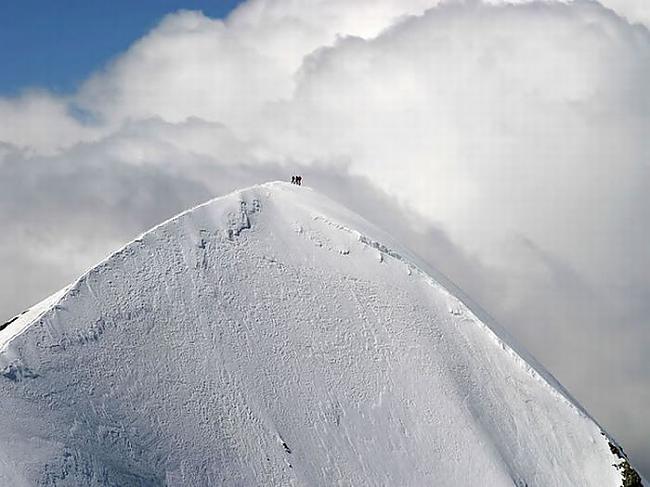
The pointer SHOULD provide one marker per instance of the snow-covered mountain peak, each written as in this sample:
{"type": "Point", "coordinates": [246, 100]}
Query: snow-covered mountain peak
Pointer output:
{"type": "Point", "coordinates": [273, 337]}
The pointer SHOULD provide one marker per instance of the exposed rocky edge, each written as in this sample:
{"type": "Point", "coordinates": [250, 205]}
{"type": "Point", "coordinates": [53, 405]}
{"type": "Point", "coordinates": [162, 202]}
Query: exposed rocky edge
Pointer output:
{"type": "Point", "coordinates": [9, 322]}
{"type": "Point", "coordinates": [631, 477]}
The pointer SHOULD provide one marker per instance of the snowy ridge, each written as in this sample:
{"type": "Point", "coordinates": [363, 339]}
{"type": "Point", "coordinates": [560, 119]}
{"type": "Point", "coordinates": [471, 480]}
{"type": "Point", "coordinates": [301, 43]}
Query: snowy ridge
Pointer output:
{"type": "Point", "coordinates": [19, 323]}
{"type": "Point", "coordinates": [272, 337]}
{"type": "Point", "coordinates": [473, 313]}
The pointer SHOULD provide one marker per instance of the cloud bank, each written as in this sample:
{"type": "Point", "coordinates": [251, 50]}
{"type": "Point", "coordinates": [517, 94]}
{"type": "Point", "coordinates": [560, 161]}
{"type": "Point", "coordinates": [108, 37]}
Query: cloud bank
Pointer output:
{"type": "Point", "coordinates": [507, 142]}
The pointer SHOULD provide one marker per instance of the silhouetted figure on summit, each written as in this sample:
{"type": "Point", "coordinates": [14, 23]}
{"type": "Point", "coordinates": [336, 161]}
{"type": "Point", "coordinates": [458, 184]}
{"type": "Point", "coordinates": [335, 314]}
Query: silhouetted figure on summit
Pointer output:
{"type": "Point", "coordinates": [293, 179]}
{"type": "Point", "coordinates": [299, 180]}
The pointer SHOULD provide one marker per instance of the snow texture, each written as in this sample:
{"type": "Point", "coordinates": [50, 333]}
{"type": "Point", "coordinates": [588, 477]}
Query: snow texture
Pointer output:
{"type": "Point", "coordinates": [272, 337]}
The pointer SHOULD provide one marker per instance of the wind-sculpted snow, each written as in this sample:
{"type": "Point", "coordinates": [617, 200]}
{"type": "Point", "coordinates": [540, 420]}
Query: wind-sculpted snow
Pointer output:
{"type": "Point", "coordinates": [271, 337]}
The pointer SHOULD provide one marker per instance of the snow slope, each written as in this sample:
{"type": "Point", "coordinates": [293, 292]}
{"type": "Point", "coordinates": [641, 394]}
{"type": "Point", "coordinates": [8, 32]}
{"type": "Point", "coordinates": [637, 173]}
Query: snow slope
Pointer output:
{"type": "Point", "coordinates": [272, 337]}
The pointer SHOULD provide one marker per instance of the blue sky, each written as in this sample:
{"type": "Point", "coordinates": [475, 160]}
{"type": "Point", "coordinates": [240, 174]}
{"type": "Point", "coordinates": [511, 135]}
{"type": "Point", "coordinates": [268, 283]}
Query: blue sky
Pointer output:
{"type": "Point", "coordinates": [56, 44]}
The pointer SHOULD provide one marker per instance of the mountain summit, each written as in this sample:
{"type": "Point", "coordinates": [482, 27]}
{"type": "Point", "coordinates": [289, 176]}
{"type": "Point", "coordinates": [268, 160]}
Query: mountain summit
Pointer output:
{"type": "Point", "coordinates": [272, 337]}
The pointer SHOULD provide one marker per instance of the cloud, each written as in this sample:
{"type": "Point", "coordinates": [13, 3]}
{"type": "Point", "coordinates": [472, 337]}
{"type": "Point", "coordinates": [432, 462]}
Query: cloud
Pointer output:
{"type": "Point", "coordinates": [191, 65]}
{"type": "Point", "coordinates": [505, 143]}
{"type": "Point", "coordinates": [636, 11]}
{"type": "Point", "coordinates": [40, 122]}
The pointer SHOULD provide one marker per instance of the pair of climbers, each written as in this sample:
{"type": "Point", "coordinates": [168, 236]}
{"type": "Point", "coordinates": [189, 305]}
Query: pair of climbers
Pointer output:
{"type": "Point", "coordinates": [296, 180]}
